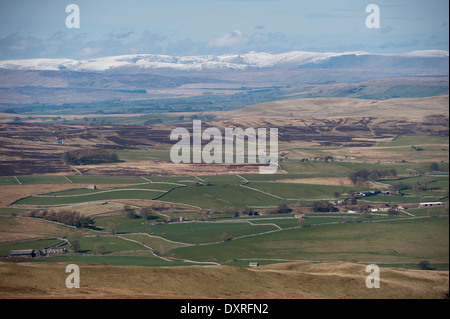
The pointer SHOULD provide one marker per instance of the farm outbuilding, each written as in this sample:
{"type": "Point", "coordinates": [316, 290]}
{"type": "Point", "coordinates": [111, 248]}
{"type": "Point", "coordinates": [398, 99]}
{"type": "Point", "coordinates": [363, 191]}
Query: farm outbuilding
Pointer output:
{"type": "Point", "coordinates": [178, 219]}
{"type": "Point", "coordinates": [430, 204]}
{"type": "Point", "coordinates": [55, 250]}
{"type": "Point", "coordinates": [24, 253]}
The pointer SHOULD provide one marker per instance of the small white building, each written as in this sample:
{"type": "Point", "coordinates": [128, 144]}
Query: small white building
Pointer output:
{"type": "Point", "coordinates": [253, 264]}
{"type": "Point", "coordinates": [430, 204]}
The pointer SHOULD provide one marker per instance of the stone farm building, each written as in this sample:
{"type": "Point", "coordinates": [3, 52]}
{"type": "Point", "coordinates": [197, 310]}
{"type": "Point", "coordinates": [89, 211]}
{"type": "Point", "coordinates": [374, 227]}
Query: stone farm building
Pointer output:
{"type": "Point", "coordinates": [22, 253]}
{"type": "Point", "coordinates": [31, 253]}
{"type": "Point", "coordinates": [54, 250]}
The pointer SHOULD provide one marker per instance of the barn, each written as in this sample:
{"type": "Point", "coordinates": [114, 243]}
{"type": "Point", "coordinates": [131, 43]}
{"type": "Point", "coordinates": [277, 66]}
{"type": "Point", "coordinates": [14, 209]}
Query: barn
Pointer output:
{"type": "Point", "coordinates": [24, 253]}
{"type": "Point", "coordinates": [430, 204]}
{"type": "Point", "coordinates": [55, 250]}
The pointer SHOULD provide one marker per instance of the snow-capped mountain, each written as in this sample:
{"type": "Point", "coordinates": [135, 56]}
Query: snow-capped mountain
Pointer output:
{"type": "Point", "coordinates": [252, 60]}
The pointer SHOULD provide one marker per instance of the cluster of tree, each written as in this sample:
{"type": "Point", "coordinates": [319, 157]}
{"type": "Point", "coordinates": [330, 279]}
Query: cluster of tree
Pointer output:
{"type": "Point", "coordinates": [87, 157]}
{"type": "Point", "coordinates": [393, 212]}
{"type": "Point", "coordinates": [328, 158]}
{"type": "Point", "coordinates": [422, 184]}
{"type": "Point", "coordinates": [282, 208]}
{"type": "Point", "coordinates": [364, 175]}
{"type": "Point", "coordinates": [205, 182]}
{"type": "Point", "coordinates": [424, 265]}
{"type": "Point", "coordinates": [144, 212]}
{"type": "Point", "coordinates": [398, 187]}
{"type": "Point", "coordinates": [324, 207]}
{"type": "Point", "coordinates": [225, 237]}
{"type": "Point", "coordinates": [245, 211]}
{"type": "Point", "coordinates": [434, 166]}
{"type": "Point", "coordinates": [67, 217]}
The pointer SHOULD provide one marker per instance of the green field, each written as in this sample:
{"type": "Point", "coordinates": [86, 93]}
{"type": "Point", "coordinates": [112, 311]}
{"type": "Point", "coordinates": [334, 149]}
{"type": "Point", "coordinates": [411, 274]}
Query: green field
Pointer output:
{"type": "Point", "coordinates": [91, 197]}
{"type": "Point", "coordinates": [402, 140]}
{"type": "Point", "coordinates": [220, 197]}
{"type": "Point", "coordinates": [8, 181]}
{"type": "Point", "coordinates": [337, 168]}
{"type": "Point", "coordinates": [110, 244]}
{"type": "Point", "coordinates": [297, 191]}
{"type": "Point", "coordinates": [121, 222]}
{"type": "Point", "coordinates": [159, 245]}
{"type": "Point", "coordinates": [206, 232]}
{"type": "Point", "coordinates": [399, 241]}
{"type": "Point", "coordinates": [435, 182]}
{"type": "Point", "coordinates": [142, 191]}
{"type": "Point", "coordinates": [105, 179]}
{"type": "Point", "coordinates": [58, 179]}
{"type": "Point", "coordinates": [215, 234]}
{"type": "Point", "coordinates": [26, 180]}
{"type": "Point", "coordinates": [271, 238]}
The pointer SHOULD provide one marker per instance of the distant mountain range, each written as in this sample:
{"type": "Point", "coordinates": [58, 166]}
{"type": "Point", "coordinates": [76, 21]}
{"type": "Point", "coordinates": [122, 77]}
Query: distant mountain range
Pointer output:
{"type": "Point", "coordinates": [252, 60]}
{"type": "Point", "coordinates": [160, 83]}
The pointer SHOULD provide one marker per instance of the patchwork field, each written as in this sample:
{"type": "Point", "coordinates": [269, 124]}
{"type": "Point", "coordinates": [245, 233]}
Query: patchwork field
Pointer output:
{"type": "Point", "coordinates": [149, 221]}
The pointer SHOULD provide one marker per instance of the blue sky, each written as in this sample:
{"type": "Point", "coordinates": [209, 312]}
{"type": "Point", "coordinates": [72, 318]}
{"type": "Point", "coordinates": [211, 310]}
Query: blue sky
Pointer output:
{"type": "Point", "coordinates": [37, 29]}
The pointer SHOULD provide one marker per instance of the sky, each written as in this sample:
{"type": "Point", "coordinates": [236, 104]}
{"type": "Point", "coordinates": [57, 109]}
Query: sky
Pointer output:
{"type": "Point", "coordinates": [37, 29]}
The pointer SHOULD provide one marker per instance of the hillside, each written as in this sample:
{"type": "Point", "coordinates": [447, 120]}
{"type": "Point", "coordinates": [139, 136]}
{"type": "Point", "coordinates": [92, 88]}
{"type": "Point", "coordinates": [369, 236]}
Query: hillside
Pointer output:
{"type": "Point", "coordinates": [300, 59]}
{"type": "Point", "coordinates": [288, 280]}
{"type": "Point", "coordinates": [148, 83]}
{"type": "Point", "coordinates": [345, 107]}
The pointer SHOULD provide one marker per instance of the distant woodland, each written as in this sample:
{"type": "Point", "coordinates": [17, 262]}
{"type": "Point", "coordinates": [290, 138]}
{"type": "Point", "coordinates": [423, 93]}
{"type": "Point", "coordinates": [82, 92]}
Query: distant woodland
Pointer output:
{"type": "Point", "coordinates": [89, 157]}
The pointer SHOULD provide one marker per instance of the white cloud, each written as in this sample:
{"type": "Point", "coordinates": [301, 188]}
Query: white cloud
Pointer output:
{"type": "Point", "coordinates": [232, 38]}
{"type": "Point", "coordinates": [89, 51]}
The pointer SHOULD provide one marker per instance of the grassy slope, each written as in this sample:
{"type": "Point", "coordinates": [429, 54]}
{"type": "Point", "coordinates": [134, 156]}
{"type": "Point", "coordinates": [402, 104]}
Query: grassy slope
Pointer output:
{"type": "Point", "coordinates": [393, 241]}
{"type": "Point", "coordinates": [290, 280]}
{"type": "Point", "coordinates": [314, 107]}
{"type": "Point", "coordinates": [197, 233]}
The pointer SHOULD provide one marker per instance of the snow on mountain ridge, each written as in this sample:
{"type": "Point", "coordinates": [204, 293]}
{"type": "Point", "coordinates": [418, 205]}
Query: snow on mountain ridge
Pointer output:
{"type": "Point", "coordinates": [39, 64]}
{"type": "Point", "coordinates": [197, 63]}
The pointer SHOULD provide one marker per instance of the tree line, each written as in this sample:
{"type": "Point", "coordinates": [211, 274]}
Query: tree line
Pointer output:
{"type": "Point", "coordinates": [364, 175]}
{"type": "Point", "coordinates": [67, 217]}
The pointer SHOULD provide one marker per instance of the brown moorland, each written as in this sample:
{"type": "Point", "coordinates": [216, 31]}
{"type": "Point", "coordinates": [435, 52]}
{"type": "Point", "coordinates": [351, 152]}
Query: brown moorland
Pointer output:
{"type": "Point", "coordinates": [287, 280]}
